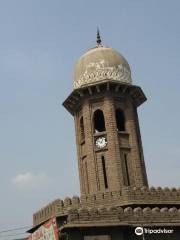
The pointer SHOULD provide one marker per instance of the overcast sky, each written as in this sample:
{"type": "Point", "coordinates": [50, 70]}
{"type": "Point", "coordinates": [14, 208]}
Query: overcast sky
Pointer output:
{"type": "Point", "coordinates": [40, 41]}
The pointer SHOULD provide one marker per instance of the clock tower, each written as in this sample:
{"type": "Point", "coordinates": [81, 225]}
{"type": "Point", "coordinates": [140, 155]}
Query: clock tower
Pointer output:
{"type": "Point", "coordinates": [104, 106]}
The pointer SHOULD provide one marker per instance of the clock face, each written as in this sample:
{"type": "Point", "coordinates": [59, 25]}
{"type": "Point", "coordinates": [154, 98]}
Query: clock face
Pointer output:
{"type": "Point", "coordinates": [101, 142]}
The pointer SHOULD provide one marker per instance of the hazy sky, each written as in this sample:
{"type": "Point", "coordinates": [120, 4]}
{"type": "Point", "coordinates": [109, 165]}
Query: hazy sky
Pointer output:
{"type": "Point", "coordinates": [40, 41]}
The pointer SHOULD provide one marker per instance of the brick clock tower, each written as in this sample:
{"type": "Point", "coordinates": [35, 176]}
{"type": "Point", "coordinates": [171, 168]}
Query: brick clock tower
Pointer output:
{"type": "Point", "coordinates": [115, 200]}
{"type": "Point", "coordinates": [104, 105]}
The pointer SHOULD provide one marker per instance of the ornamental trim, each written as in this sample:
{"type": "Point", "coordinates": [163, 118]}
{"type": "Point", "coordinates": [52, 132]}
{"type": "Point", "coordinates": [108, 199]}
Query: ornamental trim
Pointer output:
{"type": "Point", "coordinates": [118, 73]}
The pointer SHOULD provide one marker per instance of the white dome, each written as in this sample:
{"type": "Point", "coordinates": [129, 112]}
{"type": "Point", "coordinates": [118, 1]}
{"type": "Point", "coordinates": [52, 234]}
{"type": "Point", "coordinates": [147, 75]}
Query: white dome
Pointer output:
{"type": "Point", "coordinates": [101, 64]}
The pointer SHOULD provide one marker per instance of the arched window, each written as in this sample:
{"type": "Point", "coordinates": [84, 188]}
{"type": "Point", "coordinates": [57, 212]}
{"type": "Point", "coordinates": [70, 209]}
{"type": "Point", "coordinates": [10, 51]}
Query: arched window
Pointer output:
{"type": "Point", "coordinates": [120, 121]}
{"type": "Point", "coordinates": [99, 124]}
{"type": "Point", "coordinates": [82, 128]}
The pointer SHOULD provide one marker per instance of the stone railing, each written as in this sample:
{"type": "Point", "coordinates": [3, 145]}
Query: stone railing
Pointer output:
{"type": "Point", "coordinates": [106, 198]}
{"type": "Point", "coordinates": [125, 197]}
{"type": "Point", "coordinates": [55, 208]}
{"type": "Point", "coordinates": [151, 195]}
{"type": "Point", "coordinates": [124, 216]}
{"type": "Point", "coordinates": [134, 195]}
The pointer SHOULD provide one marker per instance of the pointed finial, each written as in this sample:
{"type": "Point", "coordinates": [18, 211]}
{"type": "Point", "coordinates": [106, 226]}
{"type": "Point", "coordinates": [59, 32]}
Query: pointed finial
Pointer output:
{"type": "Point", "coordinates": [98, 38]}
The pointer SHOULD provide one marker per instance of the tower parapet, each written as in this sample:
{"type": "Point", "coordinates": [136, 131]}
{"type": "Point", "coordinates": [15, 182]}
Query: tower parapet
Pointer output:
{"type": "Point", "coordinates": [128, 196]}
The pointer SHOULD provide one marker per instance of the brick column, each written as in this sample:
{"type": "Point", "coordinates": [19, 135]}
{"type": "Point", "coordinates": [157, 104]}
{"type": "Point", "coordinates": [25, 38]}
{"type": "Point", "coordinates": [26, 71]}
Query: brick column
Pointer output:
{"type": "Point", "coordinates": [131, 125]}
{"type": "Point", "coordinates": [113, 154]}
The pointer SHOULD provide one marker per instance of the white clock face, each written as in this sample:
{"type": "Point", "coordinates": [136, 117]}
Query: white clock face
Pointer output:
{"type": "Point", "coordinates": [101, 142]}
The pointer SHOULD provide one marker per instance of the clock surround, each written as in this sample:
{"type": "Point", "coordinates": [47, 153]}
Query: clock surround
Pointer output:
{"type": "Point", "coordinates": [101, 142]}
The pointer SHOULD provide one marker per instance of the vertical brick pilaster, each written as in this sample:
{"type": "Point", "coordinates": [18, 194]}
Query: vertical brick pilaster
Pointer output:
{"type": "Point", "coordinates": [77, 131]}
{"type": "Point", "coordinates": [91, 160]}
{"type": "Point", "coordinates": [135, 153]}
{"type": "Point", "coordinates": [113, 154]}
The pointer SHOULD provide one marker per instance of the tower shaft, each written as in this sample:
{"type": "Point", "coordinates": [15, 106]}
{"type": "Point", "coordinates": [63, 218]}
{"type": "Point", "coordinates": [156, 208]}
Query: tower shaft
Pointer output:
{"type": "Point", "coordinates": [109, 147]}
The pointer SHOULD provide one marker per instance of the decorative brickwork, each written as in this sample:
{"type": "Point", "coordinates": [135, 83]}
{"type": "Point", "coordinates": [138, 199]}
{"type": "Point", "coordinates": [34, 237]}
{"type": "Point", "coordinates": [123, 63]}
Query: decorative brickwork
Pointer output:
{"type": "Point", "coordinates": [119, 73]}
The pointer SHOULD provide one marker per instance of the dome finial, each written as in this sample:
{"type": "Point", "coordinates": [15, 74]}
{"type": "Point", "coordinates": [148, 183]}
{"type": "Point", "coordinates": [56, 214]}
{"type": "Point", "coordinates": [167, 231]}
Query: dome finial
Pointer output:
{"type": "Point", "coordinates": [98, 38]}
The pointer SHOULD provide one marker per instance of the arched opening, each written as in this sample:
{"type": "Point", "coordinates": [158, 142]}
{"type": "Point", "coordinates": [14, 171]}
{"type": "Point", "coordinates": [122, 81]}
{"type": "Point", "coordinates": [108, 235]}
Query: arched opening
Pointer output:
{"type": "Point", "coordinates": [82, 128]}
{"type": "Point", "coordinates": [120, 120]}
{"type": "Point", "coordinates": [99, 123]}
